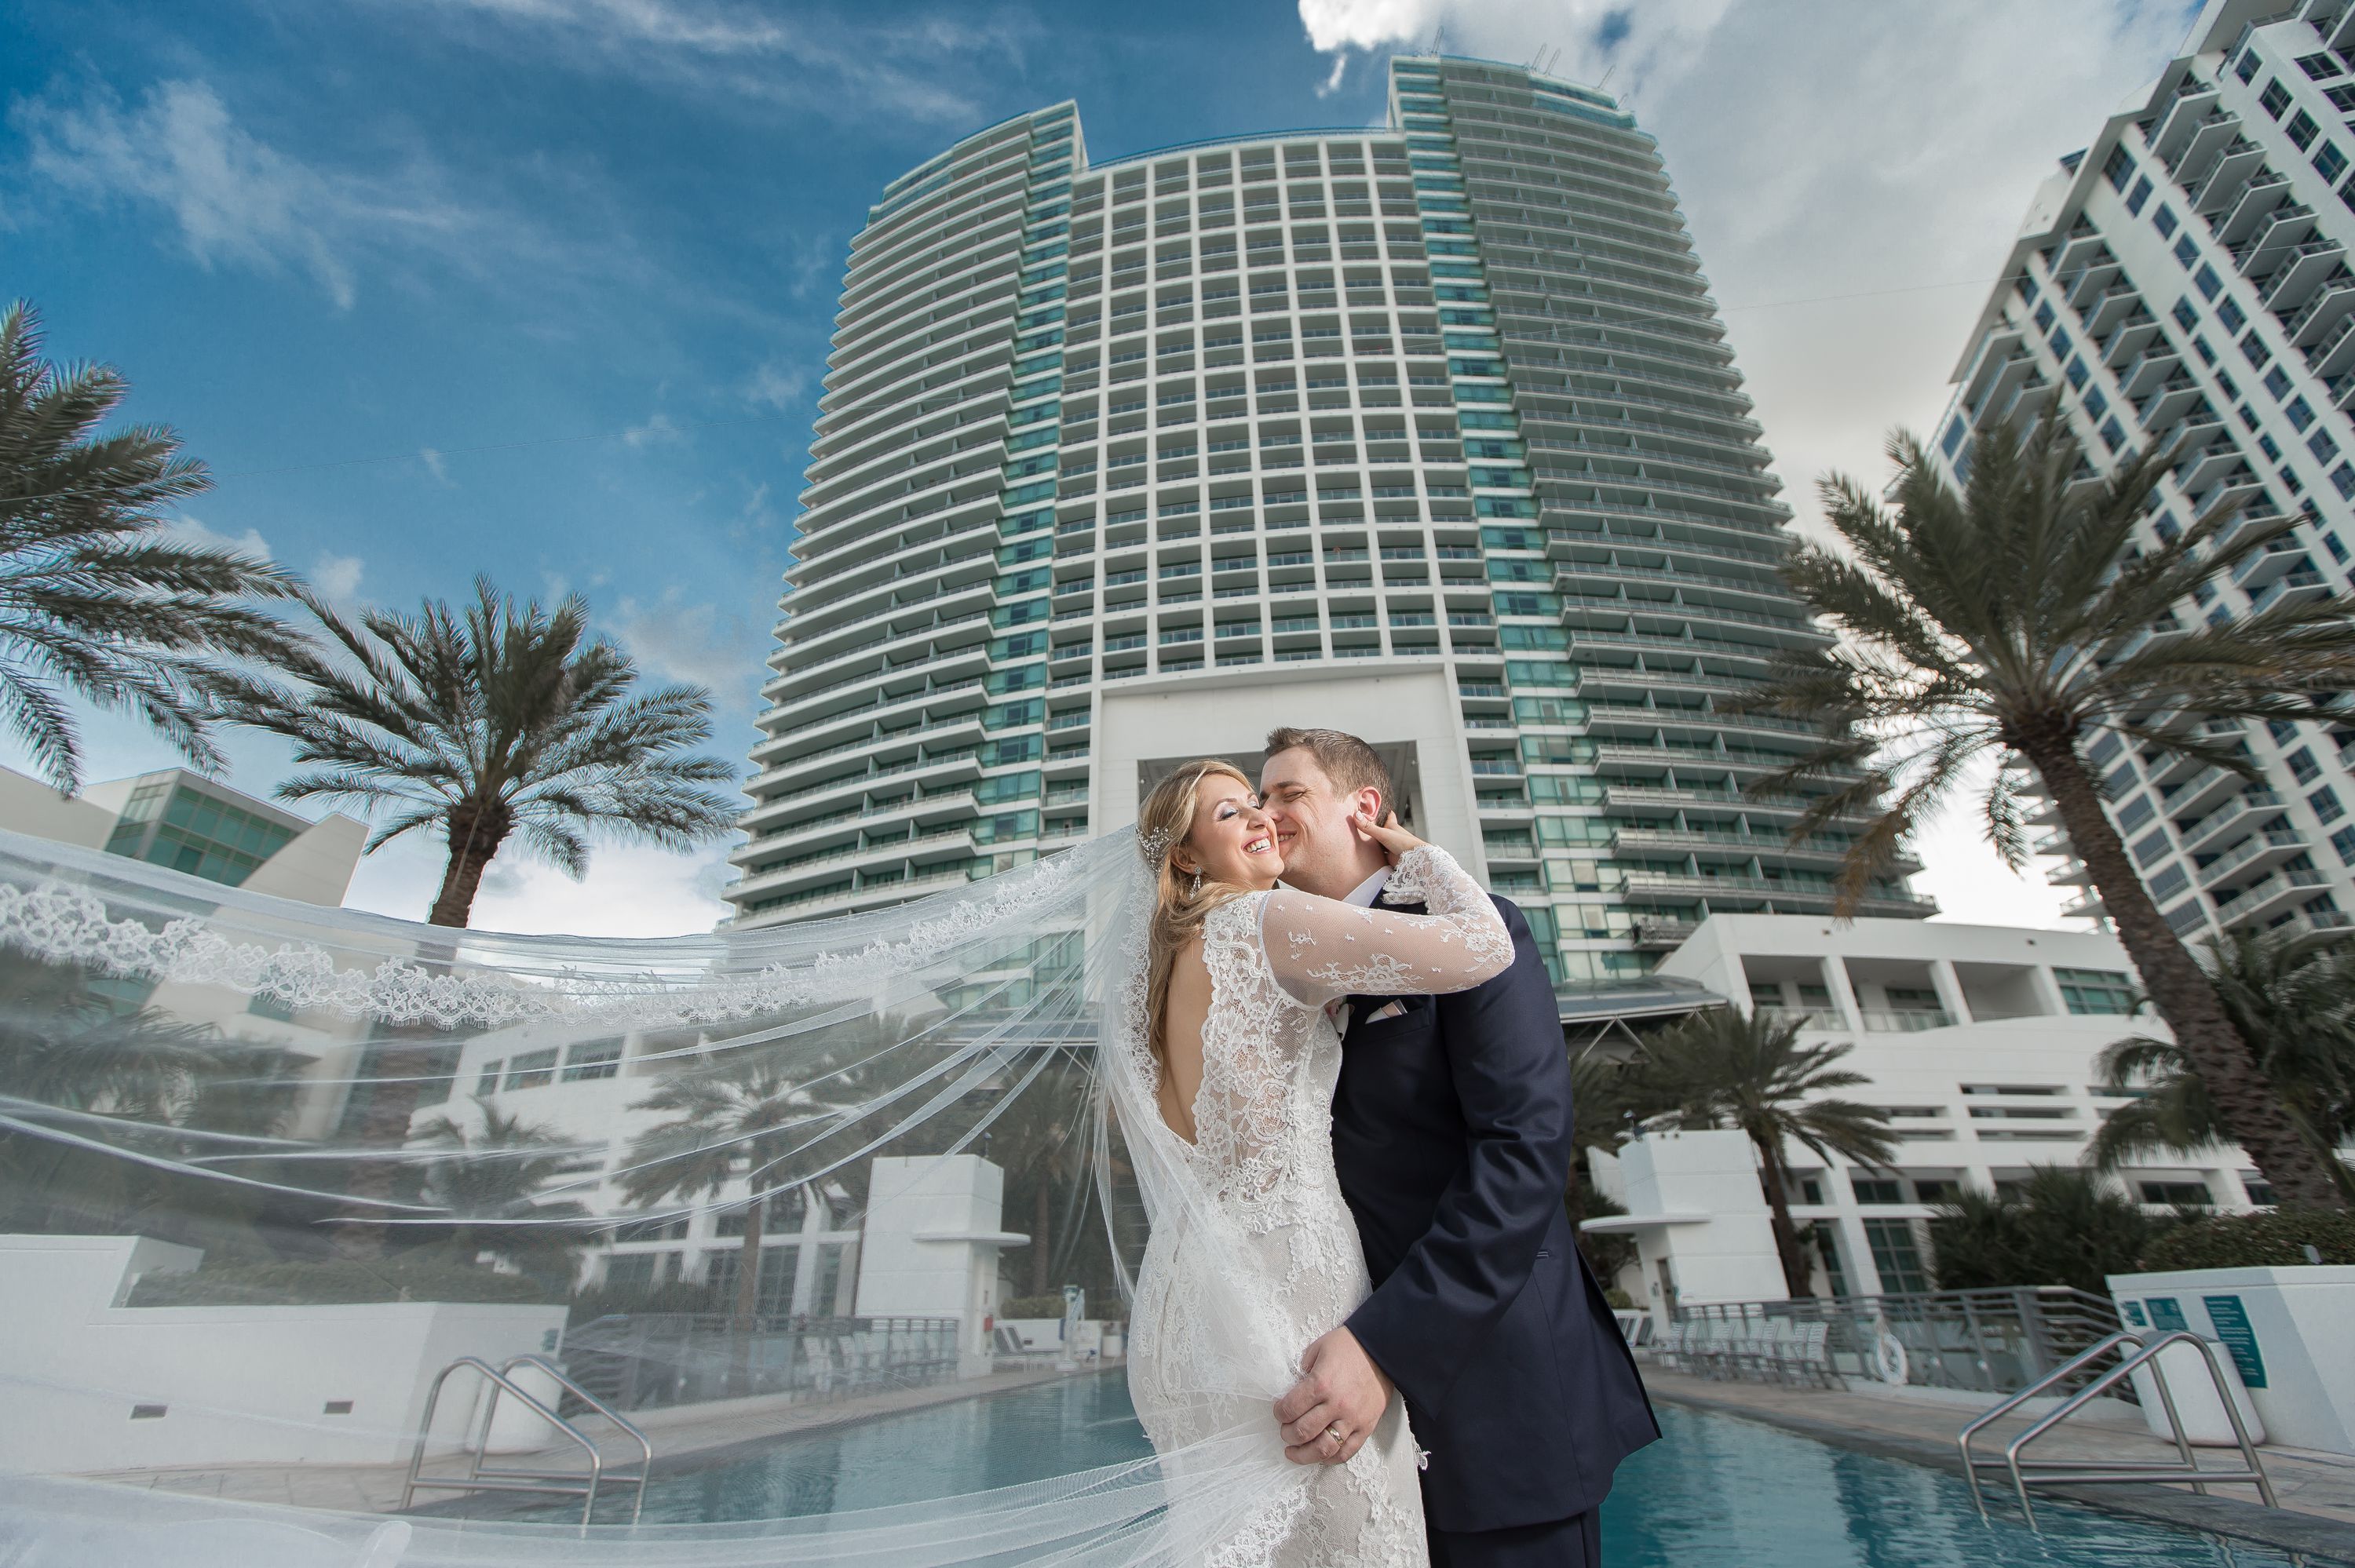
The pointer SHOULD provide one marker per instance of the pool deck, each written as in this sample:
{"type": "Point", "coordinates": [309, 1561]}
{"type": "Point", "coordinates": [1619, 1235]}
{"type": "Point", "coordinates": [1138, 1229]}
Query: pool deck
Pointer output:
{"type": "Point", "coordinates": [681, 1435]}
{"type": "Point", "coordinates": [2317, 1489]}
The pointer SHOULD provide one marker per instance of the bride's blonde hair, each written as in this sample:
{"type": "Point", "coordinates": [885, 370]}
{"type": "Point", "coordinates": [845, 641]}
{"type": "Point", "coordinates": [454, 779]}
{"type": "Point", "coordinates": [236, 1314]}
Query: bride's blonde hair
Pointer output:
{"type": "Point", "coordinates": [1180, 899]}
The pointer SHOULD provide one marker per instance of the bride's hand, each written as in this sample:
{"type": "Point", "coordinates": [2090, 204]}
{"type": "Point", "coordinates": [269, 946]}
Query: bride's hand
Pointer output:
{"type": "Point", "coordinates": [1394, 840]}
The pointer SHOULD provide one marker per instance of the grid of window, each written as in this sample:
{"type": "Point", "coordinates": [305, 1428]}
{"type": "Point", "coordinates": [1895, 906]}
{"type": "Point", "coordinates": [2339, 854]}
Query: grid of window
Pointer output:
{"type": "Point", "coordinates": [2095, 990]}
{"type": "Point", "coordinates": [1453, 391]}
{"type": "Point", "coordinates": [171, 823]}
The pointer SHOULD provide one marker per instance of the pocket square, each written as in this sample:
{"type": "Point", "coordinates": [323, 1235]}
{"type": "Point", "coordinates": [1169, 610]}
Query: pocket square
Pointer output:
{"type": "Point", "coordinates": [1387, 1010]}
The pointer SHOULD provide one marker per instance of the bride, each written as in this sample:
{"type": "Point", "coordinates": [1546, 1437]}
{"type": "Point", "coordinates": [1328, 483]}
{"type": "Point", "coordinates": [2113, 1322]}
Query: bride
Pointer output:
{"type": "Point", "coordinates": [1252, 1252]}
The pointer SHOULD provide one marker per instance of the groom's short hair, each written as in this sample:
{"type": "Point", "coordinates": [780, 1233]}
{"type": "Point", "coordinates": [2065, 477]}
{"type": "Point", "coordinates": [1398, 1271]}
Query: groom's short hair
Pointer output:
{"type": "Point", "coordinates": [1350, 762]}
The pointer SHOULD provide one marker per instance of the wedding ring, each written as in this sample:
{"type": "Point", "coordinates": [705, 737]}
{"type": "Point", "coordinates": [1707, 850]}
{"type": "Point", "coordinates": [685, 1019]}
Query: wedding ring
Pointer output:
{"type": "Point", "coordinates": [1335, 1432]}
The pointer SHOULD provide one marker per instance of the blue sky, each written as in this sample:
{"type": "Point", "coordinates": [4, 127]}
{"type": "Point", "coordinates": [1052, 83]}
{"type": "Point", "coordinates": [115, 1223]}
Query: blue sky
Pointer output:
{"type": "Point", "coordinates": [541, 288]}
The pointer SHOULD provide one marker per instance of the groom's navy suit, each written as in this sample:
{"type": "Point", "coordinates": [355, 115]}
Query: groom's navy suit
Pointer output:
{"type": "Point", "coordinates": [1452, 1134]}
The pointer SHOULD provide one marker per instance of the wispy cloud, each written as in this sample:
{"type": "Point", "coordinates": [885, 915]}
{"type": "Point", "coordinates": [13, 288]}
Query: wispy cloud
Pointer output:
{"type": "Point", "coordinates": [658, 430]}
{"type": "Point", "coordinates": [195, 530]}
{"type": "Point", "coordinates": [919, 67]}
{"type": "Point", "coordinates": [338, 577]}
{"type": "Point", "coordinates": [234, 199]}
{"type": "Point", "coordinates": [434, 466]}
{"type": "Point", "coordinates": [681, 639]}
{"type": "Point", "coordinates": [776, 385]}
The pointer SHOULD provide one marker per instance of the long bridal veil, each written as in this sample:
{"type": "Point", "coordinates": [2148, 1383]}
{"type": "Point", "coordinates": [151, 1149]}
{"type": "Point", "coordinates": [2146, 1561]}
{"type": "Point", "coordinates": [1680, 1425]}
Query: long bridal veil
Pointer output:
{"type": "Point", "coordinates": [841, 1216]}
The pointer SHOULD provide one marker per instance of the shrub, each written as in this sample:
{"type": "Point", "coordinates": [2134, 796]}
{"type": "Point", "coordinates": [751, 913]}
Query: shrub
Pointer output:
{"type": "Point", "coordinates": [2278, 1239]}
{"type": "Point", "coordinates": [1032, 1306]}
{"type": "Point", "coordinates": [335, 1282]}
{"type": "Point", "coordinates": [2063, 1225]}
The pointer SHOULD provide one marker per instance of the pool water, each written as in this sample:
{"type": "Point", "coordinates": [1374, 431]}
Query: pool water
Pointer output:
{"type": "Point", "coordinates": [1717, 1492]}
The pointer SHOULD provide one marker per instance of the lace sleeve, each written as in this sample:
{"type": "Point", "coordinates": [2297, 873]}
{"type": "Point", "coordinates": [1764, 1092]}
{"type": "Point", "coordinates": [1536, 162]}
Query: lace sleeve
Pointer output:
{"type": "Point", "coordinates": [1321, 948]}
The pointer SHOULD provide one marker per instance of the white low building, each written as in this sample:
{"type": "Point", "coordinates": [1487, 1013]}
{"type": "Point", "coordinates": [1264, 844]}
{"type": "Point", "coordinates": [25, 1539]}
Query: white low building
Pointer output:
{"type": "Point", "coordinates": [1980, 1042]}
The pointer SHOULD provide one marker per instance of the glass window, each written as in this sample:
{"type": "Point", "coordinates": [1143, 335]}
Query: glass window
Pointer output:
{"type": "Point", "coordinates": [2329, 162]}
{"type": "Point", "coordinates": [592, 1059]}
{"type": "Point", "coordinates": [2343, 841]}
{"type": "Point", "coordinates": [2164, 221]}
{"type": "Point", "coordinates": [2229, 314]}
{"type": "Point", "coordinates": [2302, 130]}
{"type": "Point", "coordinates": [2325, 801]}
{"type": "Point", "coordinates": [2186, 315]}
{"type": "Point", "coordinates": [2119, 169]}
{"type": "Point", "coordinates": [2094, 991]}
{"type": "Point", "coordinates": [2321, 66]}
{"type": "Point", "coordinates": [2274, 99]}
{"type": "Point", "coordinates": [2169, 882]}
{"type": "Point", "coordinates": [2253, 350]}
{"type": "Point", "coordinates": [2323, 445]}
{"type": "Point", "coordinates": [1897, 1257]}
{"type": "Point", "coordinates": [2139, 195]}
{"type": "Point", "coordinates": [2278, 383]}
{"type": "Point", "coordinates": [532, 1069]}
{"type": "Point", "coordinates": [2300, 412]}
{"type": "Point", "coordinates": [486, 1080]}
{"type": "Point", "coordinates": [1878, 1189]}
{"type": "Point", "coordinates": [2076, 373]}
{"type": "Point", "coordinates": [2246, 66]}
{"type": "Point", "coordinates": [2207, 283]}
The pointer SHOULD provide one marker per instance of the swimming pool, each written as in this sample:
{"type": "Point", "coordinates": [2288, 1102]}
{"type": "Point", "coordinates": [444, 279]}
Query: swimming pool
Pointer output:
{"type": "Point", "coordinates": [1719, 1492]}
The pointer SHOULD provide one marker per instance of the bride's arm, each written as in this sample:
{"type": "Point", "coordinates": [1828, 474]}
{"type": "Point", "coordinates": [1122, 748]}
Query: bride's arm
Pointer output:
{"type": "Point", "coordinates": [1322, 947]}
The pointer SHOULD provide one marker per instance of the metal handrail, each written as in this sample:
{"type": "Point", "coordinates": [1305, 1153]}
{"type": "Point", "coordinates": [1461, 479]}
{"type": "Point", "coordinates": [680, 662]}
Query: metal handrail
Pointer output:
{"type": "Point", "coordinates": [627, 1427]}
{"type": "Point", "coordinates": [2058, 1472]}
{"type": "Point", "coordinates": [479, 1478]}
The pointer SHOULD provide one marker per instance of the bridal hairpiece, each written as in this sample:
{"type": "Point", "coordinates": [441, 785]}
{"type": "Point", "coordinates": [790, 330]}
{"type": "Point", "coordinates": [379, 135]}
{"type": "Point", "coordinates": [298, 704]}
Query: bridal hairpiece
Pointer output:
{"type": "Point", "coordinates": [1155, 846]}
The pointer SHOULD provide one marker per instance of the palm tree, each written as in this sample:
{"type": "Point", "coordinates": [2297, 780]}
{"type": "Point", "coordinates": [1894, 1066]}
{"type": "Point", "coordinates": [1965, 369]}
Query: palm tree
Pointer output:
{"type": "Point", "coordinates": [2019, 621]}
{"type": "Point", "coordinates": [487, 723]}
{"type": "Point", "coordinates": [1725, 1068]}
{"type": "Point", "coordinates": [491, 1182]}
{"type": "Point", "coordinates": [2296, 1008]}
{"type": "Point", "coordinates": [2063, 1225]}
{"type": "Point", "coordinates": [95, 598]}
{"type": "Point", "coordinates": [746, 1109]}
{"type": "Point", "coordinates": [1040, 1141]}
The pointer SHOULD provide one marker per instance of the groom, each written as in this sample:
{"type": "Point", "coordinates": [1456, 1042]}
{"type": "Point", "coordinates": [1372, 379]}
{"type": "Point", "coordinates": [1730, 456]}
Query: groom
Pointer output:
{"type": "Point", "coordinates": [1451, 1133]}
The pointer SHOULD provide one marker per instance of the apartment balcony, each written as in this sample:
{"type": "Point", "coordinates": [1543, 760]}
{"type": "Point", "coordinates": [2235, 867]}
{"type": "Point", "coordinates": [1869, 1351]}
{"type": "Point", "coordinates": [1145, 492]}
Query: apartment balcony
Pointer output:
{"type": "Point", "coordinates": [2250, 856]}
{"type": "Point", "coordinates": [2255, 200]}
{"type": "Point", "coordinates": [2299, 277]}
{"type": "Point", "coordinates": [2268, 899]}
{"type": "Point", "coordinates": [2298, 588]}
{"type": "Point", "coordinates": [2193, 103]}
{"type": "Point", "coordinates": [2279, 559]}
{"type": "Point", "coordinates": [2242, 813]}
{"type": "Point", "coordinates": [1787, 897]}
{"type": "Point", "coordinates": [1660, 935]}
{"type": "Point", "coordinates": [1903, 1019]}
{"type": "Point", "coordinates": [2203, 793]}
{"type": "Point", "coordinates": [931, 846]}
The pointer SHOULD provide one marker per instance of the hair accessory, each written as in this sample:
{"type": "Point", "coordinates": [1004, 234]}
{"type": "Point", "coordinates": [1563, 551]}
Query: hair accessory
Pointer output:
{"type": "Point", "coordinates": [1155, 846]}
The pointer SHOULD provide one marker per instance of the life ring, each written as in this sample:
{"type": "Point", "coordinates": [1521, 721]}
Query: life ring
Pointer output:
{"type": "Point", "coordinates": [1889, 1361]}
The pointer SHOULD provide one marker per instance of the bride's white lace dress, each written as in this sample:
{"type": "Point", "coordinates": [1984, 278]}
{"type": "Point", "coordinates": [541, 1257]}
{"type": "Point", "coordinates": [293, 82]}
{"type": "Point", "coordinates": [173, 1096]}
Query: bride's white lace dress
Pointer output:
{"type": "Point", "coordinates": [1263, 1156]}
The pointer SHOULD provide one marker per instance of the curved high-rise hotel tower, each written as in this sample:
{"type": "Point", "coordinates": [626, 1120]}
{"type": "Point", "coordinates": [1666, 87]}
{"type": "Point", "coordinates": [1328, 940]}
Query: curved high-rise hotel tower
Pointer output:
{"type": "Point", "coordinates": [1428, 433]}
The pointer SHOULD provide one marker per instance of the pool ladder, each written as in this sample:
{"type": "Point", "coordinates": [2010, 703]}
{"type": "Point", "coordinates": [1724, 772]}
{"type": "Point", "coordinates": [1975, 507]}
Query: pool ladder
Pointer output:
{"type": "Point", "coordinates": [478, 1477]}
{"type": "Point", "coordinates": [2027, 1473]}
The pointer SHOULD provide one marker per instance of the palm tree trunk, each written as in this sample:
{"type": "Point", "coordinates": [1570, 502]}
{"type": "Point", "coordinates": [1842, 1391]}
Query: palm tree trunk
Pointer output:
{"type": "Point", "coordinates": [2179, 989]}
{"type": "Point", "coordinates": [748, 1289]}
{"type": "Point", "coordinates": [1796, 1275]}
{"type": "Point", "coordinates": [402, 1064]}
{"type": "Point", "coordinates": [1040, 1214]}
{"type": "Point", "coordinates": [475, 835]}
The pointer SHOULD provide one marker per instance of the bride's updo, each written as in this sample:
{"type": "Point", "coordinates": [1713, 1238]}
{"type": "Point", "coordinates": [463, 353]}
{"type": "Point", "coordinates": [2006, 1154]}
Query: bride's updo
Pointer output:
{"type": "Point", "coordinates": [1180, 899]}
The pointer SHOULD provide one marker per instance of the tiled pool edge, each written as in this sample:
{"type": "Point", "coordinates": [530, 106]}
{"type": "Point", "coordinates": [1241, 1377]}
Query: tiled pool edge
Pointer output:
{"type": "Point", "coordinates": [2282, 1528]}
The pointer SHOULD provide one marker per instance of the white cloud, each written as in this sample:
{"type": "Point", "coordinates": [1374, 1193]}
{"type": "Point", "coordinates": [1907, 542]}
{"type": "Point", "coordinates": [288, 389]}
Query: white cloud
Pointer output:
{"type": "Point", "coordinates": [801, 59]}
{"type": "Point", "coordinates": [777, 384]}
{"type": "Point", "coordinates": [338, 577]}
{"type": "Point", "coordinates": [680, 640]}
{"type": "Point", "coordinates": [233, 198]}
{"type": "Point", "coordinates": [658, 430]}
{"type": "Point", "coordinates": [195, 530]}
{"type": "Point", "coordinates": [435, 464]}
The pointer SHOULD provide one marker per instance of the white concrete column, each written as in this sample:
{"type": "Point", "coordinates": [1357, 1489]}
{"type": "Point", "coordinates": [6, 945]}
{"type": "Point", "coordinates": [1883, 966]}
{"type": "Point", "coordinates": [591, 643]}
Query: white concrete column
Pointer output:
{"type": "Point", "coordinates": [1843, 993]}
{"type": "Point", "coordinates": [1949, 987]}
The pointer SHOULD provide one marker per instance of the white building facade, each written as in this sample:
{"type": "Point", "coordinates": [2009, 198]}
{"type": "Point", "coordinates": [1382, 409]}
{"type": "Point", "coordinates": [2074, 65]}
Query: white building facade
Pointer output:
{"type": "Point", "coordinates": [1980, 1042]}
{"type": "Point", "coordinates": [1428, 431]}
{"type": "Point", "coordinates": [2184, 280]}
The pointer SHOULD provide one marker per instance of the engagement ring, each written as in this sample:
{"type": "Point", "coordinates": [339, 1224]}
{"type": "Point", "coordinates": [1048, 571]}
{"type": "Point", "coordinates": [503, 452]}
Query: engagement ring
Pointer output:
{"type": "Point", "coordinates": [1334, 1431]}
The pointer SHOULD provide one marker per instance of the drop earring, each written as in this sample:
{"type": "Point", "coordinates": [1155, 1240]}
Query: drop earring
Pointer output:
{"type": "Point", "coordinates": [1197, 891]}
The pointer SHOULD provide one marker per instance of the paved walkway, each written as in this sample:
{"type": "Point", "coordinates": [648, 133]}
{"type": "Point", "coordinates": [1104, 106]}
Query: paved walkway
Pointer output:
{"type": "Point", "coordinates": [1920, 1425]}
{"type": "Point", "coordinates": [700, 1432]}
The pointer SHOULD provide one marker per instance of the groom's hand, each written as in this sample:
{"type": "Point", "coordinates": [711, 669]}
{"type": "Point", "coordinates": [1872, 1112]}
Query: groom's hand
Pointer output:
{"type": "Point", "coordinates": [1339, 1385]}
